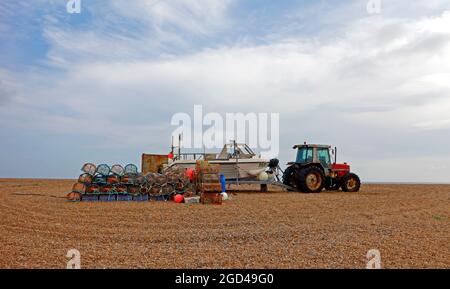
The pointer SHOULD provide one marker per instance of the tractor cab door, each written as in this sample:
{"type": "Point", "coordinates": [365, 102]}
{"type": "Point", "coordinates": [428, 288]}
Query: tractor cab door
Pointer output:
{"type": "Point", "coordinates": [305, 155]}
{"type": "Point", "coordinates": [323, 156]}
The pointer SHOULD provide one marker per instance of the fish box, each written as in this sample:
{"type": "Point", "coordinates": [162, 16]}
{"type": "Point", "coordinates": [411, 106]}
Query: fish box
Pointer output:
{"type": "Point", "coordinates": [192, 200]}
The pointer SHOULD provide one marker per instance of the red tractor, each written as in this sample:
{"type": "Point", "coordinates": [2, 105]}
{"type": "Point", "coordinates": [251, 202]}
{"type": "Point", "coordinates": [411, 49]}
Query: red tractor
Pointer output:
{"type": "Point", "coordinates": [313, 171]}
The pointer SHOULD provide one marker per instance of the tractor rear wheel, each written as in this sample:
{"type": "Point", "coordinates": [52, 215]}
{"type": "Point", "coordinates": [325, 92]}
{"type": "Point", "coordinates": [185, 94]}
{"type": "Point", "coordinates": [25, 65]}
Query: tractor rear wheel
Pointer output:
{"type": "Point", "coordinates": [289, 177]}
{"type": "Point", "coordinates": [311, 180]}
{"type": "Point", "coordinates": [351, 183]}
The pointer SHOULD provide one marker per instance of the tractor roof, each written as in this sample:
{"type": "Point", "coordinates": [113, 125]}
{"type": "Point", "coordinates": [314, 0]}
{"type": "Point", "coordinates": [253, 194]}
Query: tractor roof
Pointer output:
{"type": "Point", "coordinates": [311, 146]}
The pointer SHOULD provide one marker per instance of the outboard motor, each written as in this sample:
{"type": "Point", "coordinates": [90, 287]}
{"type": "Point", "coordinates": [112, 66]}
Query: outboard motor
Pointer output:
{"type": "Point", "coordinates": [272, 170]}
{"type": "Point", "coordinates": [273, 163]}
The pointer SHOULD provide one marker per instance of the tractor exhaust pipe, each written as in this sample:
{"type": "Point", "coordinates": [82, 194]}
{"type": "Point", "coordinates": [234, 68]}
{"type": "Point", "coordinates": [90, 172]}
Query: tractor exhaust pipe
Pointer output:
{"type": "Point", "coordinates": [335, 155]}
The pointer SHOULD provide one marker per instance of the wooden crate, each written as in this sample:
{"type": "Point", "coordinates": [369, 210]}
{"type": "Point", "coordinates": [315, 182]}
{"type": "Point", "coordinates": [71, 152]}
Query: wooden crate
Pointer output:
{"type": "Point", "coordinates": [211, 198]}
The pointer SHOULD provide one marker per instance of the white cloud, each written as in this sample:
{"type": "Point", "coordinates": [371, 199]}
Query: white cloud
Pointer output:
{"type": "Point", "coordinates": [382, 83]}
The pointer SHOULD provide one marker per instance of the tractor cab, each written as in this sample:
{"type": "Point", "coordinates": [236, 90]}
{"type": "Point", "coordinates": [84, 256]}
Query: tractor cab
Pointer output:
{"type": "Point", "coordinates": [314, 170]}
{"type": "Point", "coordinates": [313, 154]}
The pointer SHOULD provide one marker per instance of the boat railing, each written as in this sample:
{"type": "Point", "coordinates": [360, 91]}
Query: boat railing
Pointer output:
{"type": "Point", "coordinates": [194, 156]}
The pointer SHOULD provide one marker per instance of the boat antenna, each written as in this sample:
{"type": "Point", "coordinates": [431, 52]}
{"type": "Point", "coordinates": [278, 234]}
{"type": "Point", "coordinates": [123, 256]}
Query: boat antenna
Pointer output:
{"type": "Point", "coordinates": [179, 146]}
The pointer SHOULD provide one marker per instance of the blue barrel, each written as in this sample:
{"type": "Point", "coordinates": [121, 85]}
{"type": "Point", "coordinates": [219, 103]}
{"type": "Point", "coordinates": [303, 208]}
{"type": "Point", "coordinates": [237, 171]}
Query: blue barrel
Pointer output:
{"type": "Point", "coordinates": [223, 183]}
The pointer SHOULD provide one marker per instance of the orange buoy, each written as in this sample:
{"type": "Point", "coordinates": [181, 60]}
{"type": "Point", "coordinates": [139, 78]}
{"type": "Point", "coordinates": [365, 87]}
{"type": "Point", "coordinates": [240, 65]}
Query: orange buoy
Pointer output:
{"type": "Point", "coordinates": [178, 199]}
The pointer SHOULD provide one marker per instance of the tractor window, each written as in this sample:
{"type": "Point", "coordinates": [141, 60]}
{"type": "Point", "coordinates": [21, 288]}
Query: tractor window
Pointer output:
{"type": "Point", "coordinates": [304, 155]}
{"type": "Point", "coordinates": [324, 157]}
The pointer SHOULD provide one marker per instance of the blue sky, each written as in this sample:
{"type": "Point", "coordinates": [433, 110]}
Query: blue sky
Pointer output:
{"type": "Point", "coordinates": [102, 85]}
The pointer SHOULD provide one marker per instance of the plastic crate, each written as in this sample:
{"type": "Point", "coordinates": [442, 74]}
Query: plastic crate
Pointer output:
{"type": "Point", "coordinates": [159, 198]}
{"type": "Point", "coordinates": [124, 197]}
{"type": "Point", "coordinates": [192, 200]}
{"type": "Point", "coordinates": [107, 198]}
{"type": "Point", "coordinates": [89, 198]}
{"type": "Point", "coordinates": [140, 198]}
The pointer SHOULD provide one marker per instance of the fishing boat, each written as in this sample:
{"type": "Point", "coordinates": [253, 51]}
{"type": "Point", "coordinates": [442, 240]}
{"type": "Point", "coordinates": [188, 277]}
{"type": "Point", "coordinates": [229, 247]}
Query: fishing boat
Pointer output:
{"type": "Point", "coordinates": [236, 160]}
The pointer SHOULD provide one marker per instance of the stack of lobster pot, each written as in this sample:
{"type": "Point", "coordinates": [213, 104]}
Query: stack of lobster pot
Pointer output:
{"type": "Point", "coordinates": [104, 183]}
{"type": "Point", "coordinates": [163, 186]}
{"type": "Point", "coordinates": [117, 183]}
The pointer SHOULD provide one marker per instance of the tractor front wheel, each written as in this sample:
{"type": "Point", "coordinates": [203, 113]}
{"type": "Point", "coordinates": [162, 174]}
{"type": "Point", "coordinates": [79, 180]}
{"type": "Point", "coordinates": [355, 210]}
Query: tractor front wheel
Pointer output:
{"type": "Point", "coordinates": [351, 183]}
{"type": "Point", "coordinates": [311, 180]}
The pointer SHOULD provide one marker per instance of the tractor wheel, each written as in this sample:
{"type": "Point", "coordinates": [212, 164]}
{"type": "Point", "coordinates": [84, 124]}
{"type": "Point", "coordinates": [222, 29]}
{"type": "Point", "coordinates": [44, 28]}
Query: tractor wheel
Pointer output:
{"type": "Point", "coordinates": [311, 180]}
{"type": "Point", "coordinates": [289, 177]}
{"type": "Point", "coordinates": [351, 183]}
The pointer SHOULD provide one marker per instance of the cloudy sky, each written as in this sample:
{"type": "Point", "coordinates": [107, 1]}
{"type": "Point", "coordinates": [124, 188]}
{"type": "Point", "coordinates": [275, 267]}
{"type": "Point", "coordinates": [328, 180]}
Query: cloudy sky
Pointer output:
{"type": "Point", "coordinates": [102, 85]}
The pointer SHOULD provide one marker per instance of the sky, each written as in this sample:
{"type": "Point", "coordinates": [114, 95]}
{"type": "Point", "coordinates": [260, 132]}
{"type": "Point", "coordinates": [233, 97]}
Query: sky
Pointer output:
{"type": "Point", "coordinates": [102, 85]}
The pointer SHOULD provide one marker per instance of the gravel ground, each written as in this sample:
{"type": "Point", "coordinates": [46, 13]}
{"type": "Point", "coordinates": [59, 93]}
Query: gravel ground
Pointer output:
{"type": "Point", "coordinates": [408, 224]}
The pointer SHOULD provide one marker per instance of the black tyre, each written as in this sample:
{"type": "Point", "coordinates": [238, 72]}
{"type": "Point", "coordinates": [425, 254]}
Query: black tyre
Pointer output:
{"type": "Point", "coordinates": [351, 183]}
{"type": "Point", "coordinates": [289, 177]}
{"type": "Point", "coordinates": [311, 180]}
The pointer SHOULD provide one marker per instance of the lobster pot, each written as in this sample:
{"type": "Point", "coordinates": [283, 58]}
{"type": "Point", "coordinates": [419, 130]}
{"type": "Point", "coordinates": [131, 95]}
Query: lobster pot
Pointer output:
{"type": "Point", "coordinates": [206, 167]}
{"type": "Point", "coordinates": [139, 179]}
{"type": "Point", "coordinates": [107, 189]}
{"type": "Point", "coordinates": [134, 190]}
{"type": "Point", "coordinates": [120, 189]}
{"type": "Point", "coordinates": [89, 168]}
{"type": "Point", "coordinates": [167, 189]}
{"type": "Point", "coordinates": [112, 179]}
{"type": "Point", "coordinates": [144, 190]}
{"type": "Point", "coordinates": [79, 188]}
{"type": "Point", "coordinates": [172, 178]}
{"type": "Point", "coordinates": [150, 178]}
{"type": "Point", "coordinates": [99, 180]}
{"type": "Point", "coordinates": [73, 196]}
{"type": "Point", "coordinates": [103, 170]}
{"type": "Point", "coordinates": [160, 179]}
{"type": "Point", "coordinates": [85, 178]}
{"type": "Point", "coordinates": [92, 189]}
{"type": "Point", "coordinates": [131, 169]}
{"type": "Point", "coordinates": [127, 179]}
{"type": "Point", "coordinates": [155, 190]}
{"type": "Point", "coordinates": [179, 186]}
{"type": "Point", "coordinates": [117, 170]}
